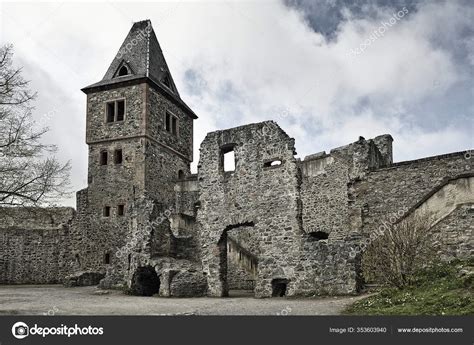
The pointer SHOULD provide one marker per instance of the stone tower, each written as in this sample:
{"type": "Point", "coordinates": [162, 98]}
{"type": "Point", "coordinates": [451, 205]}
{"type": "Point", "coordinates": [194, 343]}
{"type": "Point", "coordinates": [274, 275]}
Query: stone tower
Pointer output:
{"type": "Point", "coordinates": [140, 138]}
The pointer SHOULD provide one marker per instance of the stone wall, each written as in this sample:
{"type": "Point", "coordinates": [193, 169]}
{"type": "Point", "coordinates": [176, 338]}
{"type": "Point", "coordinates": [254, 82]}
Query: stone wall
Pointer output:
{"type": "Point", "coordinates": [34, 245]}
{"type": "Point", "coordinates": [389, 192]}
{"type": "Point", "coordinates": [98, 129]}
{"type": "Point", "coordinates": [454, 234]}
{"type": "Point", "coordinates": [326, 180]}
{"type": "Point", "coordinates": [187, 196]}
{"type": "Point", "coordinates": [161, 173]}
{"type": "Point", "coordinates": [256, 195]}
{"type": "Point", "coordinates": [328, 267]}
{"type": "Point", "coordinates": [324, 195]}
{"type": "Point", "coordinates": [182, 143]}
{"type": "Point", "coordinates": [428, 186]}
{"type": "Point", "coordinates": [261, 206]}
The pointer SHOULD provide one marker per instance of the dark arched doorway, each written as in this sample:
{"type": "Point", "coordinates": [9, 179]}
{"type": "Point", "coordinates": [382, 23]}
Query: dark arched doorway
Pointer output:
{"type": "Point", "coordinates": [145, 282]}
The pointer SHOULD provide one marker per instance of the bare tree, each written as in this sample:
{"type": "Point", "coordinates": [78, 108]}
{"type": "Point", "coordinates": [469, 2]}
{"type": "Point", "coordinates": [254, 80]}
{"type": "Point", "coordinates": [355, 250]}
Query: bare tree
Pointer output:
{"type": "Point", "coordinates": [400, 252]}
{"type": "Point", "coordinates": [29, 174]}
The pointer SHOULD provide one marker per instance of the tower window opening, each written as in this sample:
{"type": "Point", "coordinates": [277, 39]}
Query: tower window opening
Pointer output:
{"type": "Point", "coordinates": [107, 258]}
{"type": "Point", "coordinates": [120, 210]}
{"type": "Point", "coordinates": [104, 157]}
{"type": "Point", "coordinates": [118, 157]}
{"type": "Point", "coordinates": [180, 174]}
{"type": "Point", "coordinates": [171, 123]}
{"type": "Point", "coordinates": [120, 110]}
{"type": "Point", "coordinates": [110, 112]}
{"type": "Point", "coordinates": [168, 122]}
{"type": "Point", "coordinates": [106, 211]}
{"type": "Point", "coordinates": [123, 71]}
{"type": "Point", "coordinates": [115, 111]}
{"type": "Point", "coordinates": [174, 125]}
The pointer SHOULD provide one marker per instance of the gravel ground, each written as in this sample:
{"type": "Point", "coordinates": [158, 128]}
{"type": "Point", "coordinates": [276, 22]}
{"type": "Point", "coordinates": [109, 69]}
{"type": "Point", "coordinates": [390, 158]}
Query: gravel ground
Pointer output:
{"type": "Point", "coordinates": [58, 300]}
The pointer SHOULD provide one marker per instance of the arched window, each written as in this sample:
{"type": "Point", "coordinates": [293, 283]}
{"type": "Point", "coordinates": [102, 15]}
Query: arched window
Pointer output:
{"type": "Point", "coordinates": [180, 174]}
{"type": "Point", "coordinates": [123, 71]}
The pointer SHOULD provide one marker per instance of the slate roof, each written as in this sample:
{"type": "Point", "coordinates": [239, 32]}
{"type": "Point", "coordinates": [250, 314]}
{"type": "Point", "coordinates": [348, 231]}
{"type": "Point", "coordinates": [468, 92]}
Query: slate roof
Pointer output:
{"type": "Point", "coordinates": [142, 55]}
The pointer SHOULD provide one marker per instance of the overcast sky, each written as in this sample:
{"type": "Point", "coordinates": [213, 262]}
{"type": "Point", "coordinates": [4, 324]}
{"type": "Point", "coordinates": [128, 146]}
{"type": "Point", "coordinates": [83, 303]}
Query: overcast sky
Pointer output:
{"type": "Point", "coordinates": [315, 67]}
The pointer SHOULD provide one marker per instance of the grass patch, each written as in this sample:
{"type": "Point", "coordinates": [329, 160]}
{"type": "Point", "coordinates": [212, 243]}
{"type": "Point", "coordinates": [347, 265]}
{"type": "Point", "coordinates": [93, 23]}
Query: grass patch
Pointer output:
{"type": "Point", "coordinates": [444, 289]}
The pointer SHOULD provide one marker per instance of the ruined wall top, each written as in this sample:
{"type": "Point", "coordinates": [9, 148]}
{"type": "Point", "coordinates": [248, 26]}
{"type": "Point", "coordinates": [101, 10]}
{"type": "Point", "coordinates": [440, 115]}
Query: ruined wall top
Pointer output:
{"type": "Point", "coordinates": [35, 217]}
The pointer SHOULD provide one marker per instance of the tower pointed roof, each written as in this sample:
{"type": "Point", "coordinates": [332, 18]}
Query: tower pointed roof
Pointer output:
{"type": "Point", "coordinates": [140, 57]}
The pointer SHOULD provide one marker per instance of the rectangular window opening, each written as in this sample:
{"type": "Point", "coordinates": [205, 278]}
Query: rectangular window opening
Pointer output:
{"type": "Point", "coordinates": [174, 125]}
{"type": "Point", "coordinates": [120, 110]}
{"type": "Point", "coordinates": [104, 158]}
{"type": "Point", "coordinates": [120, 210]}
{"type": "Point", "coordinates": [168, 122]}
{"type": "Point", "coordinates": [118, 157]}
{"type": "Point", "coordinates": [171, 123]}
{"type": "Point", "coordinates": [107, 211]}
{"type": "Point", "coordinates": [229, 160]}
{"type": "Point", "coordinates": [110, 112]}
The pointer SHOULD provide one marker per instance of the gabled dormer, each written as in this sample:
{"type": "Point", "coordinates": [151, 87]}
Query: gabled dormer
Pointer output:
{"type": "Point", "coordinates": [167, 81]}
{"type": "Point", "coordinates": [124, 69]}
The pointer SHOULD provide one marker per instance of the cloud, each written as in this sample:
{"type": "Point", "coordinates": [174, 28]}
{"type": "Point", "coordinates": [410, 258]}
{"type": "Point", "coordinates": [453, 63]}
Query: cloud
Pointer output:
{"type": "Point", "coordinates": [237, 63]}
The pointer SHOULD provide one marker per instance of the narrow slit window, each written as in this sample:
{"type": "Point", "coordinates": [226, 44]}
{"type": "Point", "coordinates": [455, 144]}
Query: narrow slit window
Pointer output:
{"type": "Point", "coordinates": [104, 157]}
{"type": "Point", "coordinates": [120, 110]}
{"type": "Point", "coordinates": [168, 122]}
{"type": "Point", "coordinates": [107, 258]}
{"type": "Point", "coordinates": [174, 125]}
{"type": "Point", "coordinates": [118, 157]}
{"type": "Point", "coordinates": [120, 210]}
{"type": "Point", "coordinates": [110, 112]}
{"type": "Point", "coordinates": [106, 211]}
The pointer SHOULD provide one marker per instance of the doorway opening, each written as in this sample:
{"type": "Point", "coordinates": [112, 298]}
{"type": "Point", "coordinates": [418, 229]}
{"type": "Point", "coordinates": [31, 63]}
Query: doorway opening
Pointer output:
{"type": "Point", "coordinates": [145, 282]}
{"type": "Point", "coordinates": [279, 287]}
{"type": "Point", "coordinates": [238, 264]}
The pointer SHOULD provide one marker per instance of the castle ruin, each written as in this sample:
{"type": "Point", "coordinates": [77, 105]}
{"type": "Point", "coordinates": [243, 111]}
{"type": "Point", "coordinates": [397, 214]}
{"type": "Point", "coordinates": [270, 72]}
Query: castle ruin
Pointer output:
{"type": "Point", "coordinates": [271, 223]}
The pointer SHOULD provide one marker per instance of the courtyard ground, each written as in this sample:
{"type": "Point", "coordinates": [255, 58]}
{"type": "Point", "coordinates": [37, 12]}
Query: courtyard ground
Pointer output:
{"type": "Point", "coordinates": [59, 300]}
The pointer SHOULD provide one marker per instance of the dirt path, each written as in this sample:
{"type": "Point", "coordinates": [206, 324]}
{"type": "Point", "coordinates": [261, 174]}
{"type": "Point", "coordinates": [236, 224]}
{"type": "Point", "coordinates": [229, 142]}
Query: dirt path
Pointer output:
{"type": "Point", "coordinates": [56, 299]}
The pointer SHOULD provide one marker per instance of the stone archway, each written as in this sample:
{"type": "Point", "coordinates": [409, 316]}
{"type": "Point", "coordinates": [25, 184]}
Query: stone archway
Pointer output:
{"type": "Point", "coordinates": [145, 282]}
{"type": "Point", "coordinates": [223, 254]}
